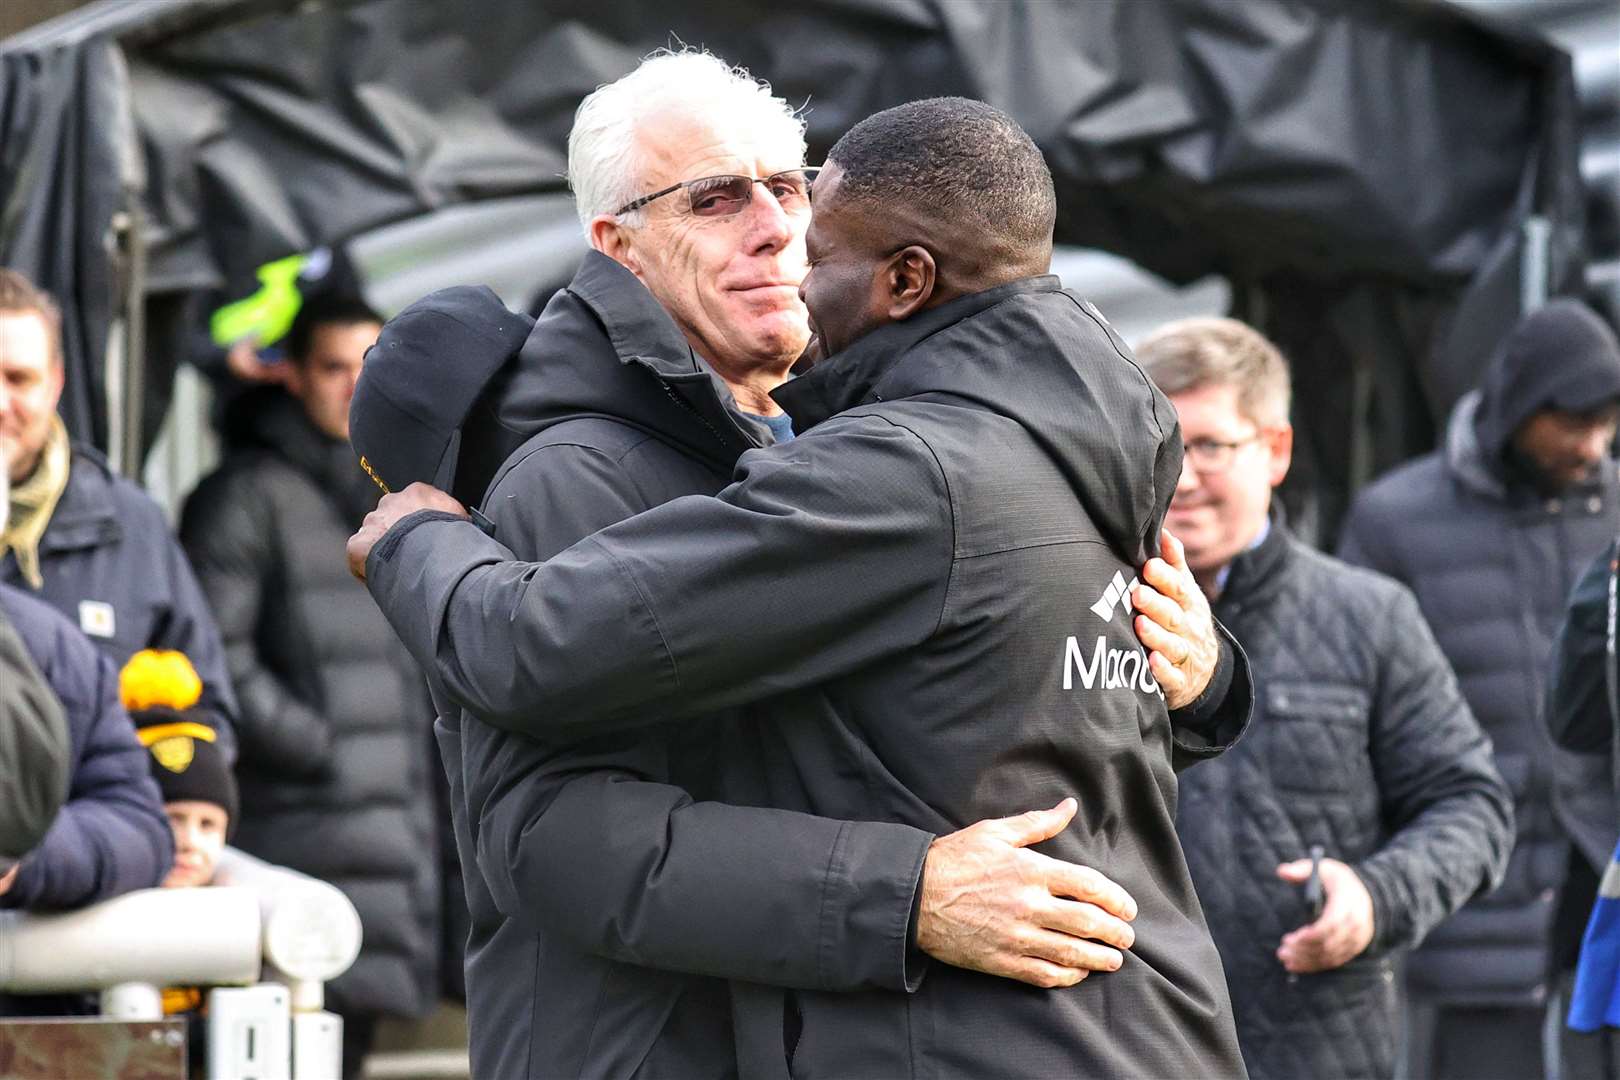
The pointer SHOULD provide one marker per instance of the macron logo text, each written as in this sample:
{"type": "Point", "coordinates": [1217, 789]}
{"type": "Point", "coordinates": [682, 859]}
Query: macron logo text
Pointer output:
{"type": "Point", "coordinates": [1107, 669]}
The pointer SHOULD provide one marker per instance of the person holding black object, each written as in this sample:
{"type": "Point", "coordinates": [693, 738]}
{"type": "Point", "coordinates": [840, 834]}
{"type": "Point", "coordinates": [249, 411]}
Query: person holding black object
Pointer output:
{"type": "Point", "coordinates": [930, 589]}
{"type": "Point", "coordinates": [1363, 808]}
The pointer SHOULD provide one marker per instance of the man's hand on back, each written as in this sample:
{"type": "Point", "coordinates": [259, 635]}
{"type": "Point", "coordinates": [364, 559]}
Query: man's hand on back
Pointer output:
{"type": "Point", "coordinates": [992, 905]}
{"type": "Point", "coordinates": [392, 508]}
{"type": "Point", "coordinates": [1175, 625]}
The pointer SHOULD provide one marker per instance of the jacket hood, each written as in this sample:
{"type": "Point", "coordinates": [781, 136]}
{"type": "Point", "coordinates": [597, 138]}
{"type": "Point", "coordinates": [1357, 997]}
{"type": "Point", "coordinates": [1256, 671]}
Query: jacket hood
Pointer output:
{"type": "Point", "coordinates": [1500, 476]}
{"type": "Point", "coordinates": [1032, 350]}
{"type": "Point", "coordinates": [1560, 356]}
{"type": "Point", "coordinates": [603, 347]}
{"type": "Point", "coordinates": [1466, 457]}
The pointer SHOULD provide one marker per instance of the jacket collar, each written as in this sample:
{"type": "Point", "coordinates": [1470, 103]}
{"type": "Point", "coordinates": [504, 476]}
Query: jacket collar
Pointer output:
{"type": "Point", "coordinates": [87, 515]}
{"type": "Point", "coordinates": [643, 334]}
{"type": "Point", "coordinates": [856, 375]}
{"type": "Point", "coordinates": [1465, 457]}
{"type": "Point", "coordinates": [1255, 571]}
{"type": "Point", "coordinates": [637, 326]}
{"type": "Point", "coordinates": [284, 431]}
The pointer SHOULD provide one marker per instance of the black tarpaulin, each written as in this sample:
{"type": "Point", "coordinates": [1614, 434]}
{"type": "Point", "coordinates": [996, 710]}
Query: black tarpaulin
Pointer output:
{"type": "Point", "coordinates": [61, 143]}
{"type": "Point", "coordinates": [1362, 172]}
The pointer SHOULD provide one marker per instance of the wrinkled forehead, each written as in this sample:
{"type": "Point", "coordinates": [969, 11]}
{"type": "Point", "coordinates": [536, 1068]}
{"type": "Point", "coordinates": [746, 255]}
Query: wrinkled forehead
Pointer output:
{"type": "Point", "coordinates": [685, 142]}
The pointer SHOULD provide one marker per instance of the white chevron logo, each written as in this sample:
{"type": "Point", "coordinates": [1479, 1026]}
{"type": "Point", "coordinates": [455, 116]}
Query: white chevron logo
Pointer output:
{"type": "Point", "coordinates": [1116, 596]}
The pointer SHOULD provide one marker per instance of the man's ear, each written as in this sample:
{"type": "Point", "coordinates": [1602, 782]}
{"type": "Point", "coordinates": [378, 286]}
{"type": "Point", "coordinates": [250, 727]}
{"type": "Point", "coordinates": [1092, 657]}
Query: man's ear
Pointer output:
{"type": "Point", "coordinates": [612, 238]}
{"type": "Point", "coordinates": [1280, 446]}
{"type": "Point", "coordinates": [57, 374]}
{"type": "Point", "coordinates": [910, 280]}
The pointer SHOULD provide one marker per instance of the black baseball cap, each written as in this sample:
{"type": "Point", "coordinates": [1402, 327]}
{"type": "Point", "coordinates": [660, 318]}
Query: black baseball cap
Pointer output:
{"type": "Point", "coordinates": [430, 365]}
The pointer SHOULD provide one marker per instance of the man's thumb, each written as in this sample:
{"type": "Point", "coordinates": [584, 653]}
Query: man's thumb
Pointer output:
{"type": "Point", "coordinates": [1036, 825]}
{"type": "Point", "coordinates": [1297, 871]}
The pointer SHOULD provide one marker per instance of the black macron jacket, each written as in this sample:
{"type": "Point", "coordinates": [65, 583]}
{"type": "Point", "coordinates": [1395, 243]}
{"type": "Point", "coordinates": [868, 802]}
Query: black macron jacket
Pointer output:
{"type": "Point", "coordinates": [931, 577]}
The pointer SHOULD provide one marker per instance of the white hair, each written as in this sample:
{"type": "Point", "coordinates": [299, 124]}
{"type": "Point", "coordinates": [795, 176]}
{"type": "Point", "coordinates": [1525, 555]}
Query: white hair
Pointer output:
{"type": "Point", "coordinates": [604, 162]}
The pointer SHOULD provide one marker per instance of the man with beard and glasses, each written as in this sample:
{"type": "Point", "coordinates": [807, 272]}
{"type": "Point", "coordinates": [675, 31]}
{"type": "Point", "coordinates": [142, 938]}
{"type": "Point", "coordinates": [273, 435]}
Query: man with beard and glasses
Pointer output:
{"type": "Point", "coordinates": [926, 593]}
{"type": "Point", "coordinates": [1491, 532]}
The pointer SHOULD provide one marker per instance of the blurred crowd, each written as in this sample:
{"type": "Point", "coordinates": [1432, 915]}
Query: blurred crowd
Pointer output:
{"type": "Point", "coordinates": [1400, 858]}
{"type": "Point", "coordinates": [271, 705]}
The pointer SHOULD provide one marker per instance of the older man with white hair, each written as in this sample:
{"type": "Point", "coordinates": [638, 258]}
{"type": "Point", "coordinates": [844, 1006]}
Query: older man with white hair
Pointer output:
{"type": "Point", "coordinates": [604, 879]}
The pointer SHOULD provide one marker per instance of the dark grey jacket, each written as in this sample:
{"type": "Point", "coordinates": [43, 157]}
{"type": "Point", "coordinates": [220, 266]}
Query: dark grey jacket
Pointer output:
{"type": "Point", "coordinates": [927, 581]}
{"type": "Point", "coordinates": [35, 746]}
{"type": "Point", "coordinates": [585, 857]}
{"type": "Point", "coordinates": [1583, 711]}
{"type": "Point", "coordinates": [336, 723]}
{"type": "Point", "coordinates": [108, 546]}
{"type": "Point", "coordinates": [1362, 743]}
{"type": "Point", "coordinates": [1583, 717]}
{"type": "Point", "coordinates": [1491, 562]}
{"type": "Point", "coordinates": [111, 835]}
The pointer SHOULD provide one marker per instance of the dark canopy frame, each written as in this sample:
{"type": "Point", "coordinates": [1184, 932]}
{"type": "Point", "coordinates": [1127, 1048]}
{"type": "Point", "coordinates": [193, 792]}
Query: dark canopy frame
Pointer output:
{"type": "Point", "coordinates": [1386, 184]}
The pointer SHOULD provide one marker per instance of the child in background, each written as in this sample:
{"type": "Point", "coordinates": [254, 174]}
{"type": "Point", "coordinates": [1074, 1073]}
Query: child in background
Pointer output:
{"type": "Point", "coordinates": [199, 792]}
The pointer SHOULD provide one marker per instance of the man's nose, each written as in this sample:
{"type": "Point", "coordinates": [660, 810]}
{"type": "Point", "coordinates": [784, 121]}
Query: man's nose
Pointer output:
{"type": "Point", "coordinates": [1188, 481]}
{"type": "Point", "coordinates": [769, 226]}
{"type": "Point", "coordinates": [1595, 444]}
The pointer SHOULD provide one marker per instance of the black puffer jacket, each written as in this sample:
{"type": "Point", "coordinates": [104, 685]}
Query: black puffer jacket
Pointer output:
{"type": "Point", "coordinates": [1362, 743]}
{"type": "Point", "coordinates": [1492, 562]}
{"type": "Point", "coordinates": [335, 722]}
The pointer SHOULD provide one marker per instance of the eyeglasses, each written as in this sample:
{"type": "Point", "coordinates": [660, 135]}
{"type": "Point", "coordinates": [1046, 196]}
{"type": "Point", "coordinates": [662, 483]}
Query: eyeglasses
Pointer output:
{"type": "Point", "coordinates": [722, 196]}
{"type": "Point", "coordinates": [1212, 456]}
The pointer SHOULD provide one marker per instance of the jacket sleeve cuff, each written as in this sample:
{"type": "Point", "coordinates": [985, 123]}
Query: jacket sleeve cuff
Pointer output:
{"type": "Point", "coordinates": [388, 546]}
{"type": "Point", "coordinates": [916, 959]}
{"type": "Point", "coordinates": [879, 881]}
{"type": "Point", "coordinates": [1202, 713]}
{"type": "Point", "coordinates": [1389, 930]}
{"type": "Point", "coordinates": [1213, 723]}
{"type": "Point", "coordinates": [414, 568]}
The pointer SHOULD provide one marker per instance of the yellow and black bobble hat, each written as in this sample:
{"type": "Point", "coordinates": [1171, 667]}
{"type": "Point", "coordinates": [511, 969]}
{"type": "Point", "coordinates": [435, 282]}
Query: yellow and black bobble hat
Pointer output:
{"type": "Point", "coordinates": [159, 687]}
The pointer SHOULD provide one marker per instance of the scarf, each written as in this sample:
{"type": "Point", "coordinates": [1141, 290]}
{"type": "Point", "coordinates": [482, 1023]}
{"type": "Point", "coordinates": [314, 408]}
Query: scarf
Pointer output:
{"type": "Point", "coordinates": [34, 501]}
{"type": "Point", "coordinates": [1595, 1001]}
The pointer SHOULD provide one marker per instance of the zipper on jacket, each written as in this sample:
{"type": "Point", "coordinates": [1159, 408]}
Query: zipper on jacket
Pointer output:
{"type": "Point", "coordinates": [724, 442]}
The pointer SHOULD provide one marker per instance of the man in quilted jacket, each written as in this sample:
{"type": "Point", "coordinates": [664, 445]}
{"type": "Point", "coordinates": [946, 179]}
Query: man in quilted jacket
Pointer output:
{"type": "Point", "coordinates": [1365, 784]}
